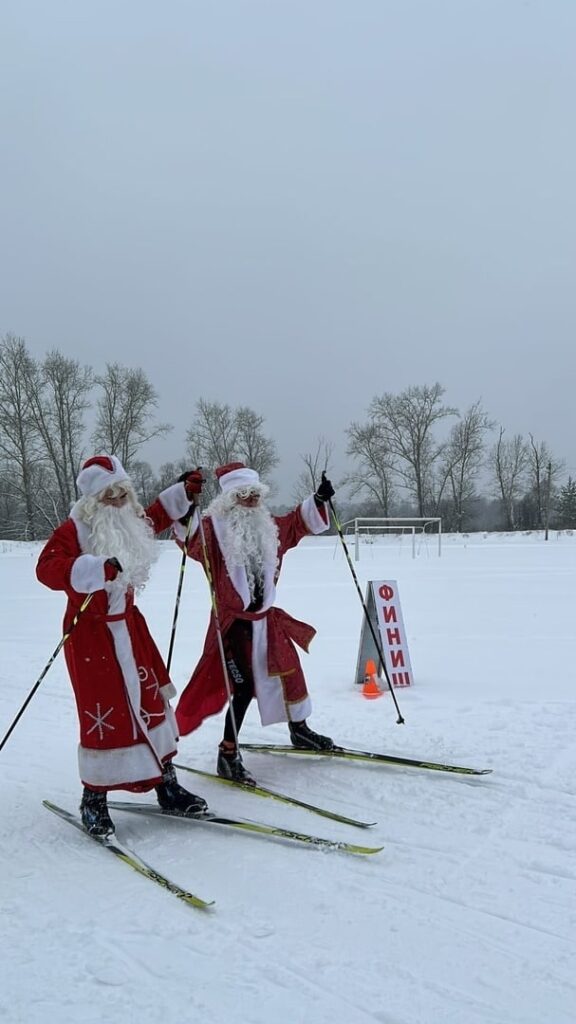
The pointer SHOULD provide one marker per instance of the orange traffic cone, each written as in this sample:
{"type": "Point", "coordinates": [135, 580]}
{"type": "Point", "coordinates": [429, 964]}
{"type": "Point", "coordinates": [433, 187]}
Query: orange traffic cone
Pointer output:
{"type": "Point", "coordinates": [370, 689]}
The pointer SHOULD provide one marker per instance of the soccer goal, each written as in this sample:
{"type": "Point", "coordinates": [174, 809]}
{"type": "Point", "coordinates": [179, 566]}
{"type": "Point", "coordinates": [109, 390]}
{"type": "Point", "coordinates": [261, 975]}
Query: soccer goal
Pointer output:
{"type": "Point", "coordinates": [370, 527]}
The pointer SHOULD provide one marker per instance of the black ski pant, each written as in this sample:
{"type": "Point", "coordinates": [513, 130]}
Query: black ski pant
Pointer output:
{"type": "Point", "coordinates": [238, 650]}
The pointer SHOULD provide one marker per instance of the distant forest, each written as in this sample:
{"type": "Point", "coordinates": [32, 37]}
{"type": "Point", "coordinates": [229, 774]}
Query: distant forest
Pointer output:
{"type": "Point", "coordinates": [413, 455]}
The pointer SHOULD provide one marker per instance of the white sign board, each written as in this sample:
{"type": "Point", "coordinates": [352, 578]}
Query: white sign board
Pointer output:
{"type": "Point", "coordinates": [385, 614]}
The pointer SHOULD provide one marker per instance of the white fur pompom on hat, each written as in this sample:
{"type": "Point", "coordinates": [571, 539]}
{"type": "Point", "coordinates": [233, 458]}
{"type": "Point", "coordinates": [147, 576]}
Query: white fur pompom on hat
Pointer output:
{"type": "Point", "coordinates": [99, 473]}
{"type": "Point", "coordinates": [236, 475]}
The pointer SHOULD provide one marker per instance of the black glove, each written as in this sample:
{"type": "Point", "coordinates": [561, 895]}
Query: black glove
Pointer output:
{"type": "Point", "coordinates": [325, 491]}
{"type": "Point", "coordinates": [193, 481]}
{"type": "Point", "coordinates": [111, 569]}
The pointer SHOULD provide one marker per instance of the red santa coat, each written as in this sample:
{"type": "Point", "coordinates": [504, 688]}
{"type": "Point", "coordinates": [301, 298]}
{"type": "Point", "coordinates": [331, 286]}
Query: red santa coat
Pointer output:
{"type": "Point", "coordinates": [279, 683]}
{"type": "Point", "coordinates": [121, 686]}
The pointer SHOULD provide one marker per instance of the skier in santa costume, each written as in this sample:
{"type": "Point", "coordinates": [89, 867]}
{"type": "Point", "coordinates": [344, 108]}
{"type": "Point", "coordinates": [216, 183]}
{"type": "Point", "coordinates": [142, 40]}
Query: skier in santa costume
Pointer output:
{"type": "Point", "coordinates": [245, 545]}
{"type": "Point", "coordinates": [106, 548]}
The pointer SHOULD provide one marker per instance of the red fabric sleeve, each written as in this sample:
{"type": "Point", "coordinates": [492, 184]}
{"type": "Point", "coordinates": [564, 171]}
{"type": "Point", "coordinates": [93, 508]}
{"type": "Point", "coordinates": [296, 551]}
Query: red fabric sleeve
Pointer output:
{"type": "Point", "coordinates": [158, 516]}
{"type": "Point", "coordinates": [57, 558]}
{"type": "Point", "coordinates": [291, 529]}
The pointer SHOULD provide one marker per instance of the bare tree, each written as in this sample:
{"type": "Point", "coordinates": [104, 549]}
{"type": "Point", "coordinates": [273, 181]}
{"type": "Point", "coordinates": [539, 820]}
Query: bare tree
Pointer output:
{"type": "Point", "coordinates": [9, 526]}
{"type": "Point", "coordinates": [144, 482]}
{"type": "Point", "coordinates": [508, 462]}
{"type": "Point", "coordinates": [253, 447]}
{"type": "Point", "coordinates": [219, 435]}
{"type": "Point", "coordinates": [375, 466]}
{"type": "Point", "coordinates": [406, 423]}
{"type": "Point", "coordinates": [47, 506]}
{"type": "Point", "coordinates": [58, 395]}
{"type": "Point", "coordinates": [463, 459]}
{"type": "Point", "coordinates": [124, 413]}
{"type": "Point", "coordinates": [170, 472]}
{"type": "Point", "coordinates": [315, 463]}
{"type": "Point", "coordinates": [543, 473]}
{"type": "Point", "coordinates": [20, 448]}
{"type": "Point", "coordinates": [211, 439]}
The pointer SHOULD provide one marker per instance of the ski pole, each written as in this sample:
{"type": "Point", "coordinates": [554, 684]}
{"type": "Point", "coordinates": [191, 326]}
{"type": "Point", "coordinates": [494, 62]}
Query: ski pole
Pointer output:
{"type": "Point", "coordinates": [212, 587]}
{"type": "Point", "coordinates": [400, 720]}
{"type": "Point", "coordinates": [179, 590]}
{"type": "Point", "coordinates": [82, 607]}
{"type": "Point", "coordinates": [181, 579]}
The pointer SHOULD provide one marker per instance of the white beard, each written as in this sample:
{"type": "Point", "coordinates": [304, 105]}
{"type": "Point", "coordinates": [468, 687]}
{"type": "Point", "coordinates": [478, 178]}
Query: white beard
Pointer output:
{"type": "Point", "coordinates": [123, 534]}
{"type": "Point", "coordinates": [250, 539]}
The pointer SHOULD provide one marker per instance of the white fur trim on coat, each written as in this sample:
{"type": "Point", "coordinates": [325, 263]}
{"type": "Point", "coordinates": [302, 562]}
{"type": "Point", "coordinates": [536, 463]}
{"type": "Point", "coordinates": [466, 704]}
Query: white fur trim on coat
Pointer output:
{"type": "Point", "coordinates": [175, 501]}
{"type": "Point", "coordinates": [109, 768]}
{"type": "Point", "coordinates": [238, 577]}
{"type": "Point", "coordinates": [316, 519]}
{"type": "Point", "coordinates": [93, 479]}
{"type": "Point", "coordinates": [239, 478]}
{"type": "Point", "coordinates": [87, 574]}
{"type": "Point", "coordinates": [268, 689]}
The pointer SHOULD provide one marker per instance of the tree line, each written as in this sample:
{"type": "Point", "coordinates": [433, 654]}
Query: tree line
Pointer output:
{"type": "Point", "coordinates": [414, 455]}
{"type": "Point", "coordinates": [410, 447]}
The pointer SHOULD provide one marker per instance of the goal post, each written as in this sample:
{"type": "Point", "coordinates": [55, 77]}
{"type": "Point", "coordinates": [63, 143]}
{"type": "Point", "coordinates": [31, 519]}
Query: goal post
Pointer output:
{"type": "Point", "coordinates": [411, 526]}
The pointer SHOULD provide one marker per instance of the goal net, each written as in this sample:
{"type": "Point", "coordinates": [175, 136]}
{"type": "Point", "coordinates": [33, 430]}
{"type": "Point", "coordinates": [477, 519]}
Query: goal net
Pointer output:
{"type": "Point", "coordinates": [369, 530]}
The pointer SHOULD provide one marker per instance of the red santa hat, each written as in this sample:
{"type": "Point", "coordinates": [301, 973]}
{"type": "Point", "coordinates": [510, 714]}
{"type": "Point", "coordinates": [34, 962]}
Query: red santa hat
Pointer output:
{"type": "Point", "coordinates": [99, 473]}
{"type": "Point", "coordinates": [236, 475]}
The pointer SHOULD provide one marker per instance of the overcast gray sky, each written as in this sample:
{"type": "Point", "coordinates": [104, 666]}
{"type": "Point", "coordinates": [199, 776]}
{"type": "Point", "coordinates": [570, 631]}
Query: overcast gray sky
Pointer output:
{"type": "Point", "coordinates": [297, 204]}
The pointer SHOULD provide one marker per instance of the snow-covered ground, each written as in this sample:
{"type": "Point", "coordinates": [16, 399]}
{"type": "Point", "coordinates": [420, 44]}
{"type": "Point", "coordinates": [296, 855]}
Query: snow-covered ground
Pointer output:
{"type": "Point", "coordinates": [467, 916]}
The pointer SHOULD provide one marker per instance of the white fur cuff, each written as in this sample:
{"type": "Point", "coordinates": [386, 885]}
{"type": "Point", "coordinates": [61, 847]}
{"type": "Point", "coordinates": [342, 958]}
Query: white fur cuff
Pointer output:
{"type": "Point", "coordinates": [316, 519]}
{"type": "Point", "coordinates": [175, 501]}
{"type": "Point", "coordinates": [87, 574]}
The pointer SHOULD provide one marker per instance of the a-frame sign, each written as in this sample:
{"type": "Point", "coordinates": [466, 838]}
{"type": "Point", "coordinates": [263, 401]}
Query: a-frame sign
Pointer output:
{"type": "Point", "coordinates": [385, 614]}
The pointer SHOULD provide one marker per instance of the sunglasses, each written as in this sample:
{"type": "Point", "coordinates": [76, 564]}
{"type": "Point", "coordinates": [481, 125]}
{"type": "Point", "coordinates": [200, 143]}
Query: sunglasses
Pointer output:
{"type": "Point", "coordinates": [248, 492]}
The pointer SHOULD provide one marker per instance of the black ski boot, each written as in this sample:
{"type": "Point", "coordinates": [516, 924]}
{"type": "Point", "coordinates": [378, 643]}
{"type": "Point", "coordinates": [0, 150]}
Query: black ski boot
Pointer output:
{"type": "Point", "coordinates": [94, 813]}
{"type": "Point", "coordinates": [173, 797]}
{"type": "Point", "coordinates": [230, 766]}
{"type": "Point", "coordinates": [305, 739]}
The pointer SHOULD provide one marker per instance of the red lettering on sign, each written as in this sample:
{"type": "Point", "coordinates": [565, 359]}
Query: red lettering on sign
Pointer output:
{"type": "Point", "coordinates": [393, 636]}
{"type": "Point", "coordinates": [390, 614]}
{"type": "Point", "coordinates": [401, 678]}
{"type": "Point", "coordinates": [386, 593]}
{"type": "Point", "coordinates": [397, 659]}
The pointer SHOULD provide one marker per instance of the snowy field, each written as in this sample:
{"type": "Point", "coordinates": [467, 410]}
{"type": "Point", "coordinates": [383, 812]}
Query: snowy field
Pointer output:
{"type": "Point", "coordinates": [468, 916]}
